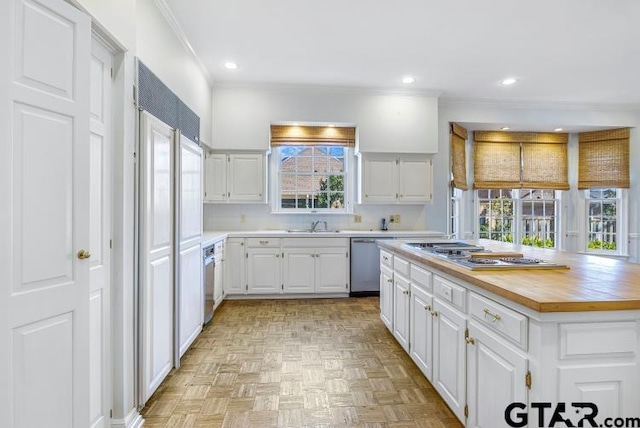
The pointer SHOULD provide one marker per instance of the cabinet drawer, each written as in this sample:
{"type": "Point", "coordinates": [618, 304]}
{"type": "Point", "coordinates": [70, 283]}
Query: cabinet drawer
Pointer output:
{"type": "Point", "coordinates": [386, 259]}
{"type": "Point", "coordinates": [450, 292]}
{"type": "Point", "coordinates": [509, 323]}
{"type": "Point", "coordinates": [421, 277]}
{"type": "Point", "coordinates": [263, 242]}
{"type": "Point", "coordinates": [401, 266]}
{"type": "Point", "coordinates": [218, 247]}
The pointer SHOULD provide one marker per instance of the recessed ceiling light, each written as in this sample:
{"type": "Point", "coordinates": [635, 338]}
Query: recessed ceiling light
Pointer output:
{"type": "Point", "coordinates": [558, 129]}
{"type": "Point", "coordinates": [504, 128]}
{"type": "Point", "coordinates": [230, 65]}
{"type": "Point", "coordinates": [509, 81]}
{"type": "Point", "coordinates": [408, 79]}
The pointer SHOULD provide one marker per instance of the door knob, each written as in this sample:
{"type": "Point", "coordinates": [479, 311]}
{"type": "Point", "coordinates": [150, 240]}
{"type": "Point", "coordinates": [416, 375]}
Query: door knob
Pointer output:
{"type": "Point", "coordinates": [83, 254]}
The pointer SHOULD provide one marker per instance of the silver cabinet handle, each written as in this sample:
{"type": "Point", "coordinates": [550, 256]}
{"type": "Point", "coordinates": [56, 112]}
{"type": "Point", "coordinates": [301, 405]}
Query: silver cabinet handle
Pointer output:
{"type": "Point", "coordinates": [264, 242]}
{"type": "Point", "coordinates": [495, 317]}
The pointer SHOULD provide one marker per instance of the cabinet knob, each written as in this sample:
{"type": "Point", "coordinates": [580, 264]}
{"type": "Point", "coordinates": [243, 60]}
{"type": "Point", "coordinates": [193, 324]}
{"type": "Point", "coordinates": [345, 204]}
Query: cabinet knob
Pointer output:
{"type": "Point", "coordinates": [427, 308]}
{"type": "Point", "coordinates": [278, 255]}
{"type": "Point", "coordinates": [470, 340]}
{"type": "Point", "coordinates": [389, 280]}
{"type": "Point", "coordinates": [434, 313]}
{"type": "Point", "coordinates": [83, 254]}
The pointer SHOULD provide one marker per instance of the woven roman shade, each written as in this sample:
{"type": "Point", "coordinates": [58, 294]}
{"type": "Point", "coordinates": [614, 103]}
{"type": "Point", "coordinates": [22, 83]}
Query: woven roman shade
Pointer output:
{"type": "Point", "coordinates": [458, 156]}
{"type": "Point", "coordinates": [293, 135]}
{"type": "Point", "coordinates": [603, 159]}
{"type": "Point", "coordinates": [533, 160]}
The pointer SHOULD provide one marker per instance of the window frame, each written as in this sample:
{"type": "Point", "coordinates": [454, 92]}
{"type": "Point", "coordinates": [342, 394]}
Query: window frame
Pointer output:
{"type": "Point", "coordinates": [517, 217]}
{"type": "Point", "coordinates": [622, 224]}
{"type": "Point", "coordinates": [276, 188]}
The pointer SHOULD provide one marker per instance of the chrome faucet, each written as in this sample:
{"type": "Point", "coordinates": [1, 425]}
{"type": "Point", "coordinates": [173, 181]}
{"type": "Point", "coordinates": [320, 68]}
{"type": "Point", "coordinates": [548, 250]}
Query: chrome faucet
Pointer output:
{"type": "Point", "coordinates": [315, 224]}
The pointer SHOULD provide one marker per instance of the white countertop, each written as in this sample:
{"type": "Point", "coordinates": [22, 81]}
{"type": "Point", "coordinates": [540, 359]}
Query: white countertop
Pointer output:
{"type": "Point", "coordinates": [209, 236]}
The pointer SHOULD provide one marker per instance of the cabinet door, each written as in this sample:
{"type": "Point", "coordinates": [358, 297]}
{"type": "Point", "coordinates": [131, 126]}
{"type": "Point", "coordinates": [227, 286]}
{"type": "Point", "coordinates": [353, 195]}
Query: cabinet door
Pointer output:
{"type": "Point", "coordinates": [246, 178]}
{"type": "Point", "coordinates": [415, 180]}
{"type": "Point", "coordinates": [298, 273]}
{"type": "Point", "coordinates": [495, 378]}
{"type": "Point", "coordinates": [401, 310]}
{"type": "Point", "coordinates": [215, 178]}
{"type": "Point", "coordinates": [331, 270]}
{"type": "Point", "coordinates": [449, 356]}
{"type": "Point", "coordinates": [386, 296]}
{"type": "Point", "coordinates": [379, 180]}
{"type": "Point", "coordinates": [264, 270]}
{"type": "Point", "coordinates": [218, 272]}
{"type": "Point", "coordinates": [421, 330]}
{"type": "Point", "coordinates": [234, 273]}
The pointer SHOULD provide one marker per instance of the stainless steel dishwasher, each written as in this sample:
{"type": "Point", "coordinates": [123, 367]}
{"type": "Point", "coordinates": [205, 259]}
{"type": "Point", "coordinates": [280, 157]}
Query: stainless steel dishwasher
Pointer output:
{"type": "Point", "coordinates": [365, 267]}
{"type": "Point", "coordinates": [208, 253]}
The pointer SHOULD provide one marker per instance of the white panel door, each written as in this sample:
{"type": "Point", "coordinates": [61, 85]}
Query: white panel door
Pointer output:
{"type": "Point", "coordinates": [298, 270]}
{"type": "Point", "coordinates": [415, 180]}
{"type": "Point", "coordinates": [421, 330]}
{"type": "Point", "coordinates": [386, 297]}
{"type": "Point", "coordinates": [246, 178]}
{"type": "Point", "coordinates": [234, 273]}
{"type": "Point", "coordinates": [379, 180]}
{"type": "Point", "coordinates": [495, 378]}
{"type": "Point", "coordinates": [156, 253]}
{"type": "Point", "coordinates": [100, 153]}
{"type": "Point", "coordinates": [44, 214]}
{"type": "Point", "coordinates": [331, 270]}
{"type": "Point", "coordinates": [401, 307]}
{"type": "Point", "coordinates": [189, 195]}
{"type": "Point", "coordinates": [264, 271]}
{"type": "Point", "coordinates": [215, 176]}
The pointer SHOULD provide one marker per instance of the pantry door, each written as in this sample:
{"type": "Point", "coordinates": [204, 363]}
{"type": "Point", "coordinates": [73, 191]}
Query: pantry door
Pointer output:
{"type": "Point", "coordinates": [45, 47]}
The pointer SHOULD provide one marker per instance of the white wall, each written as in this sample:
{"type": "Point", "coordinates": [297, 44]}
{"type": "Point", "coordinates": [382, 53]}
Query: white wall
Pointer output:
{"type": "Point", "coordinates": [117, 17]}
{"type": "Point", "coordinates": [386, 122]}
{"type": "Point", "coordinates": [159, 48]}
{"type": "Point", "coordinates": [534, 116]}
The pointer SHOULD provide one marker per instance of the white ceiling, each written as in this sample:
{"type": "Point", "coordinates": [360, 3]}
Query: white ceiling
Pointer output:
{"type": "Point", "coordinates": [570, 51]}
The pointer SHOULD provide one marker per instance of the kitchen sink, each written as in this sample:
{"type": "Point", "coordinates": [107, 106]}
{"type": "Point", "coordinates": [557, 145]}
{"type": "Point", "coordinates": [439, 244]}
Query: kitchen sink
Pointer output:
{"type": "Point", "coordinates": [311, 231]}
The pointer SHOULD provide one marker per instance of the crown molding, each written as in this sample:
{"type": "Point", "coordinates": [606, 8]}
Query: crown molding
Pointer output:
{"type": "Point", "coordinates": [539, 104]}
{"type": "Point", "coordinates": [333, 89]}
{"type": "Point", "coordinates": [168, 15]}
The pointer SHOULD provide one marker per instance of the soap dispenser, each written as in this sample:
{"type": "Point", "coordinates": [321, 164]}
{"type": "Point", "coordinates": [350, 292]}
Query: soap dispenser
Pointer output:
{"type": "Point", "coordinates": [384, 224]}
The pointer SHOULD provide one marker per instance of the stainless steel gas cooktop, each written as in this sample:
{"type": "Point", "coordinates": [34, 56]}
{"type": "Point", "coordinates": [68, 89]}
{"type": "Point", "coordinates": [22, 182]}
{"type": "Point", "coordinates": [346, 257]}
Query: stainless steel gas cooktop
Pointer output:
{"type": "Point", "coordinates": [475, 257]}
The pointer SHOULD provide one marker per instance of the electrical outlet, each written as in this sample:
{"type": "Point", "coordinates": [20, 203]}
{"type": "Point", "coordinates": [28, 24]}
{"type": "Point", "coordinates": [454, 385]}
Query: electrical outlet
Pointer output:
{"type": "Point", "coordinates": [357, 218]}
{"type": "Point", "coordinates": [396, 218]}
{"type": "Point", "coordinates": [243, 218]}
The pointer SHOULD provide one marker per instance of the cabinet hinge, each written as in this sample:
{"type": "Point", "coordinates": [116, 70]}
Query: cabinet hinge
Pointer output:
{"type": "Point", "coordinates": [527, 379]}
{"type": "Point", "coordinates": [347, 254]}
{"type": "Point", "coordinates": [466, 411]}
{"type": "Point", "coordinates": [246, 255]}
{"type": "Point", "coordinates": [282, 287]}
{"type": "Point", "coordinates": [397, 161]}
{"type": "Point", "coordinates": [246, 287]}
{"type": "Point", "coordinates": [111, 413]}
{"type": "Point", "coordinates": [228, 158]}
{"type": "Point", "coordinates": [346, 286]}
{"type": "Point", "coordinates": [111, 71]}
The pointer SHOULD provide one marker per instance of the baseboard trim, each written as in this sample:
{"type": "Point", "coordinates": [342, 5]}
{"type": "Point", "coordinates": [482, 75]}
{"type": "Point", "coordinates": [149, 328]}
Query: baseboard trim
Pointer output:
{"type": "Point", "coordinates": [132, 420]}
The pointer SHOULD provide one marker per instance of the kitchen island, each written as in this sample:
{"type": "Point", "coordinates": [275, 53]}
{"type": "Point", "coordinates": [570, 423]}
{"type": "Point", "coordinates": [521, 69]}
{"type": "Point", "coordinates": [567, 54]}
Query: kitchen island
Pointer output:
{"type": "Point", "coordinates": [489, 338]}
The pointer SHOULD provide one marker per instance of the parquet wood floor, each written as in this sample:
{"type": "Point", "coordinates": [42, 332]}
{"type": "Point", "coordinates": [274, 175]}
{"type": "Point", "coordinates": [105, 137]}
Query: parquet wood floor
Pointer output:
{"type": "Point", "coordinates": [297, 363]}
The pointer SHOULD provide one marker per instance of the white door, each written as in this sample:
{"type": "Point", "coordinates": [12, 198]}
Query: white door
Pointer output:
{"type": "Point", "coordinates": [246, 178]}
{"type": "Point", "coordinates": [215, 176]}
{"type": "Point", "coordinates": [264, 271]}
{"type": "Point", "coordinates": [189, 224]}
{"type": "Point", "coordinates": [380, 180]}
{"type": "Point", "coordinates": [386, 297]}
{"type": "Point", "coordinates": [298, 270]}
{"type": "Point", "coordinates": [421, 330]}
{"type": "Point", "coordinates": [44, 214]}
{"type": "Point", "coordinates": [415, 180]}
{"type": "Point", "coordinates": [234, 273]}
{"type": "Point", "coordinates": [495, 378]}
{"type": "Point", "coordinates": [331, 270]}
{"type": "Point", "coordinates": [156, 253]}
{"type": "Point", "coordinates": [100, 154]}
{"type": "Point", "coordinates": [401, 311]}
{"type": "Point", "coordinates": [449, 356]}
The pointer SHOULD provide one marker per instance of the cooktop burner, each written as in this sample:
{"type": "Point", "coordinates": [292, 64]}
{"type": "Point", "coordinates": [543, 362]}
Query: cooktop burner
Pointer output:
{"type": "Point", "coordinates": [520, 260]}
{"type": "Point", "coordinates": [479, 261]}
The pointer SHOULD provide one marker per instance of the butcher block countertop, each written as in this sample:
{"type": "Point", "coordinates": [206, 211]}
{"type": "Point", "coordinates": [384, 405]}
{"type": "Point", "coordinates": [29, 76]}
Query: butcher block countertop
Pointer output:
{"type": "Point", "coordinates": [591, 284]}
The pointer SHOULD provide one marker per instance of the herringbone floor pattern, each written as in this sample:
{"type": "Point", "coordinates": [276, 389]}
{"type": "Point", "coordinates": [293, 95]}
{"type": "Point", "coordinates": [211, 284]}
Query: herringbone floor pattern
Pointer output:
{"type": "Point", "coordinates": [297, 363]}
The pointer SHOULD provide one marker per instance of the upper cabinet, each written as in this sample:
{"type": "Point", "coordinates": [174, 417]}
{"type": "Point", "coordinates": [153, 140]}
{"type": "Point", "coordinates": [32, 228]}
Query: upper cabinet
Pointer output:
{"type": "Point", "coordinates": [235, 178]}
{"type": "Point", "coordinates": [388, 179]}
{"type": "Point", "coordinates": [242, 117]}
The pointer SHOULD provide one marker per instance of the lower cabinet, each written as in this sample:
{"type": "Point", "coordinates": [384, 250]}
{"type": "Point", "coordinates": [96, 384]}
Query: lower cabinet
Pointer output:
{"type": "Point", "coordinates": [449, 327]}
{"type": "Point", "coordinates": [299, 270]}
{"type": "Point", "coordinates": [401, 305]}
{"type": "Point", "coordinates": [386, 296]}
{"type": "Point", "coordinates": [421, 330]}
{"type": "Point", "coordinates": [234, 281]}
{"type": "Point", "coordinates": [263, 270]}
{"type": "Point", "coordinates": [218, 275]}
{"type": "Point", "coordinates": [495, 377]}
{"type": "Point", "coordinates": [331, 270]}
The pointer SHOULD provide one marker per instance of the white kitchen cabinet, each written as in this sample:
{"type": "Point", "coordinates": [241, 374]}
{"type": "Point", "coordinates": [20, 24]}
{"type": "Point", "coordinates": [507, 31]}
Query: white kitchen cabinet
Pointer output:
{"type": "Point", "coordinates": [401, 305]}
{"type": "Point", "coordinates": [421, 330]}
{"type": "Point", "coordinates": [263, 270]}
{"type": "Point", "coordinates": [386, 296]}
{"type": "Point", "coordinates": [449, 327]}
{"type": "Point", "coordinates": [235, 178]}
{"type": "Point", "coordinates": [315, 270]}
{"type": "Point", "coordinates": [496, 377]}
{"type": "Point", "coordinates": [234, 273]}
{"type": "Point", "coordinates": [218, 274]}
{"type": "Point", "coordinates": [392, 179]}
{"type": "Point", "coordinates": [298, 275]}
